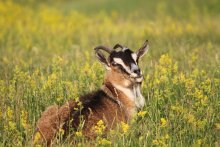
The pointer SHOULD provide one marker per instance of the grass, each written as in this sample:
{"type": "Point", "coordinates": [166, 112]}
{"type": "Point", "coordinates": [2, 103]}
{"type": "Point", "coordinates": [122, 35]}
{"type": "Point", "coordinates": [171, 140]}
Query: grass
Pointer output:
{"type": "Point", "coordinates": [46, 57]}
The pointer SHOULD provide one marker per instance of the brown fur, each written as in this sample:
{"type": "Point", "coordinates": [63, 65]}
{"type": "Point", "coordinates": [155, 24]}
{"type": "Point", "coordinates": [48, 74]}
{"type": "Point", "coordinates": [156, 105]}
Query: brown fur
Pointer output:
{"type": "Point", "coordinates": [106, 109]}
{"type": "Point", "coordinates": [117, 77]}
{"type": "Point", "coordinates": [52, 119]}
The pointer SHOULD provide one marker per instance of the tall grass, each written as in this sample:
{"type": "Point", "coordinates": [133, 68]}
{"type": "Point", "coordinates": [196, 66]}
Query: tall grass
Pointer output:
{"type": "Point", "coordinates": [46, 57]}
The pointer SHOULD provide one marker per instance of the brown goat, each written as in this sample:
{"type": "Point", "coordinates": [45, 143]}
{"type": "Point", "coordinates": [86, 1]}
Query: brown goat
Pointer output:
{"type": "Point", "coordinates": [117, 101]}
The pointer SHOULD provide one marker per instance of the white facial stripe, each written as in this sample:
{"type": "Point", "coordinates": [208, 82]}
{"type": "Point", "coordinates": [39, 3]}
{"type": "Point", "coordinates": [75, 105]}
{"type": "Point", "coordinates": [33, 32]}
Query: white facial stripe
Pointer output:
{"type": "Point", "coordinates": [134, 56]}
{"type": "Point", "coordinates": [119, 61]}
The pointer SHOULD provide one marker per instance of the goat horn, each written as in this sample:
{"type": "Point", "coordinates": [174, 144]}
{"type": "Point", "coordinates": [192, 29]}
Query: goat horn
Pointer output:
{"type": "Point", "coordinates": [117, 46]}
{"type": "Point", "coordinates": [103, 48]}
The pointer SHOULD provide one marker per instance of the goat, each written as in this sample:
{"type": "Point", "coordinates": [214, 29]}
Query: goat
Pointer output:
{"type": "Point", "coordinates": [118, 100]}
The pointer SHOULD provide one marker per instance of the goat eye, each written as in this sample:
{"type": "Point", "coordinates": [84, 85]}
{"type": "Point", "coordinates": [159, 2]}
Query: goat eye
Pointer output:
{"type": "Point", "coordinates": [114, 64]}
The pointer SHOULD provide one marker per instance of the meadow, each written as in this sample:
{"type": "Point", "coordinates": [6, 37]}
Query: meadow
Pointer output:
{"type": "Point", "coordinates": [47, 57]}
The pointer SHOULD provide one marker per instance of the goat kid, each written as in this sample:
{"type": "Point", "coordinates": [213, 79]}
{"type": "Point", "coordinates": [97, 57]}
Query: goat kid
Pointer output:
{"type": "Point", "coordinates": [117, 101]}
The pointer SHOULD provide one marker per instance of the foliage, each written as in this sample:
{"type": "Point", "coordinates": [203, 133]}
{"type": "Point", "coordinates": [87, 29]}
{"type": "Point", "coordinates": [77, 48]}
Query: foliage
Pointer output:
{"type": "Point", "coordinates": [46, 57]}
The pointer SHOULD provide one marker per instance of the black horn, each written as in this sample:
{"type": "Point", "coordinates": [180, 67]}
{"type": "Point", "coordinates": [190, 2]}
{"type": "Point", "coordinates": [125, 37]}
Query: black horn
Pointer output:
{"type": "Point", "coordinates": [118, 46]}
{"type": "Point", "coordinates": [103, 48]}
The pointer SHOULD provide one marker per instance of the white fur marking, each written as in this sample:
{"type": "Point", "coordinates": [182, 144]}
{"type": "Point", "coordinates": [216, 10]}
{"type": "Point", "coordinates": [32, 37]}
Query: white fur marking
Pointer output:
{"type": "Point", "coordinates": [119, 61]}
{"type": "Point", "coordinates": [128, 92]}
{"type": "Point", "coordinates": [139, 79]}
{"type": "Point", "coordinates": [134, 56]}
{"type": "Point", "coordinates": [133, 94]}
{"type": "Point", "coordinates": [139, 99]}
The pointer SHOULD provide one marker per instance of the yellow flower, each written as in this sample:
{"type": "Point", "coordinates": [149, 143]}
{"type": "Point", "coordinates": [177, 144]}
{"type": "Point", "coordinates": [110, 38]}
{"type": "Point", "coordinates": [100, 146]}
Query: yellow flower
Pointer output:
{"type": "Point", "coordinates": [163, 122]}
{"type": "Point", "coordinates": [199, 141]}
{"type": "Point", "coordinates": [9, 113]}
{"type": "Point", "coordinates": [198, 93]}
{"type": "Point", "coordinates": [79, 133]}
{"type": "Point", "coordinates": [155, 142]}
{"type": "Point", "coordinates": [141, 138]}
{"type": "Point", "coordinates": [24, 119]}
{"type": "Point", "coordinates": [104, 141]}
{"type": "Point", "coordinates": [167, 136]}
{"type": "Point", "coordinates": [12, 125]}
{"type": "Point", "coordinates": [182, 77]}
{"type": "Point", "coordinates": [190, 118]}
{"type": "Point", "coordinates": [142, 113]}
{"type": "Point", "coordinates": [165, 60]}
{"type": "Point", "coordinates": [175, 68]}
{"type": "Point", "coordinates": [217, 125]}
{"type": "Point", "coordinates": [125, 127]}
{"type": "Point", "coordinates": [61, 131]}
{"type": "Point", "coordinates": [175, 79]}
{"type": "Point", "coordinates": [99, 128]}
{"type": "Point", "coordinates": [100, 123]}
{"type": "Point", "coordinates": [37, 137]}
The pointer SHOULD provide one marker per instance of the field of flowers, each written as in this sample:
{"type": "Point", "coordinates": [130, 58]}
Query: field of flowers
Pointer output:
{"type": "Point", "coordinates": [47, 57]}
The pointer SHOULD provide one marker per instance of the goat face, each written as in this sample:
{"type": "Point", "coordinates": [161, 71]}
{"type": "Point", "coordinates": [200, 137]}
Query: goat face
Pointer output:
{"type": "Point", "coordinates": [122, 64]}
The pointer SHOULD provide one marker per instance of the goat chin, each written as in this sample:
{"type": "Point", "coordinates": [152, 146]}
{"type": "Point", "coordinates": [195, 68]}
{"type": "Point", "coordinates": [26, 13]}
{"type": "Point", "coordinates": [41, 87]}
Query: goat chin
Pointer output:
{"type": "Point", "coordinates": [139, 99]}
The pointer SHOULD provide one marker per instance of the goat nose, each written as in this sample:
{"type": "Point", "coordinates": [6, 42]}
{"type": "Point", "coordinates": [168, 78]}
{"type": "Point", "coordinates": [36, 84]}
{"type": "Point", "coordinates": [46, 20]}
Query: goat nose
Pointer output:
{"type": "Point", "coordinates": [138, 72]}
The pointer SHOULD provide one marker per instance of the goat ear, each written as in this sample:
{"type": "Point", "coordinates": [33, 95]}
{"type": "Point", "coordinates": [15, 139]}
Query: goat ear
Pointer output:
{"type": "Point", "coordinates": [103, 60]}
{"type": "Point", "coordinates": [140, 52]}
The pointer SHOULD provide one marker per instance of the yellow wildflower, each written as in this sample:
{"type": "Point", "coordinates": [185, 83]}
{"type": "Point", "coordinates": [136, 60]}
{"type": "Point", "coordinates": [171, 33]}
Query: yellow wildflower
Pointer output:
{"type": "Point", "coordinates": [198, 93]}
{"type": "Point", "coordinates": [165, 60]}
{"type": "Point", "coordinates": [24, 119]}
{"type": "Point", "coordinates": [125, 127]}
{"type": "Point", "coordinates": [182, 77]}
{"type": "Point", "coordinates": [79, 103]}
{"type": "Point", "coordinates": [37, 137]}
{"type": "Point", "coordinates": [142, 114]}
{"type": "Point", "coordinates": [61, 131]}
{"type": "Point", "coordinates": [199, 141]}
{"type": "Point", "coordinates": [201, 123]}
{"type": "Point", "coordinates": [217, 125]}
{"type": "Point", "coordinates": [167, 136]}
{"type": "Point", "coordinates": [59, 99]}
{"type": "Point", "coordinates": [163, 122]}
{"type": "Point", "coordinates": [12, 125]}
{"type": "Point", "coordinates": [100, 127]}
{"type": "Point", "coordinates": [163, 78]}
{"type": "Point", "coordinates": [175, 68]}
{"type": "Point", "coordinates": [177, 108]}
{"type": "Point", "coordinates": [100, 123]}
{"type": "Point", "coordinates": [141, 138]}
{"type": "Point", "coordinates": [9, 113]}
{"type": "Point", "coordinates": [155, 142]}
{"type": "Point", "coordinates": [190, 118]}
{"type": "Point", "coordinates": [175, 79]}
{"type": "Point", "coordinates": [104, 141]}
{"type": "Point", "coordinates": [78, 133]}
{"type": "Point", "coordinates": [195, 73]}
